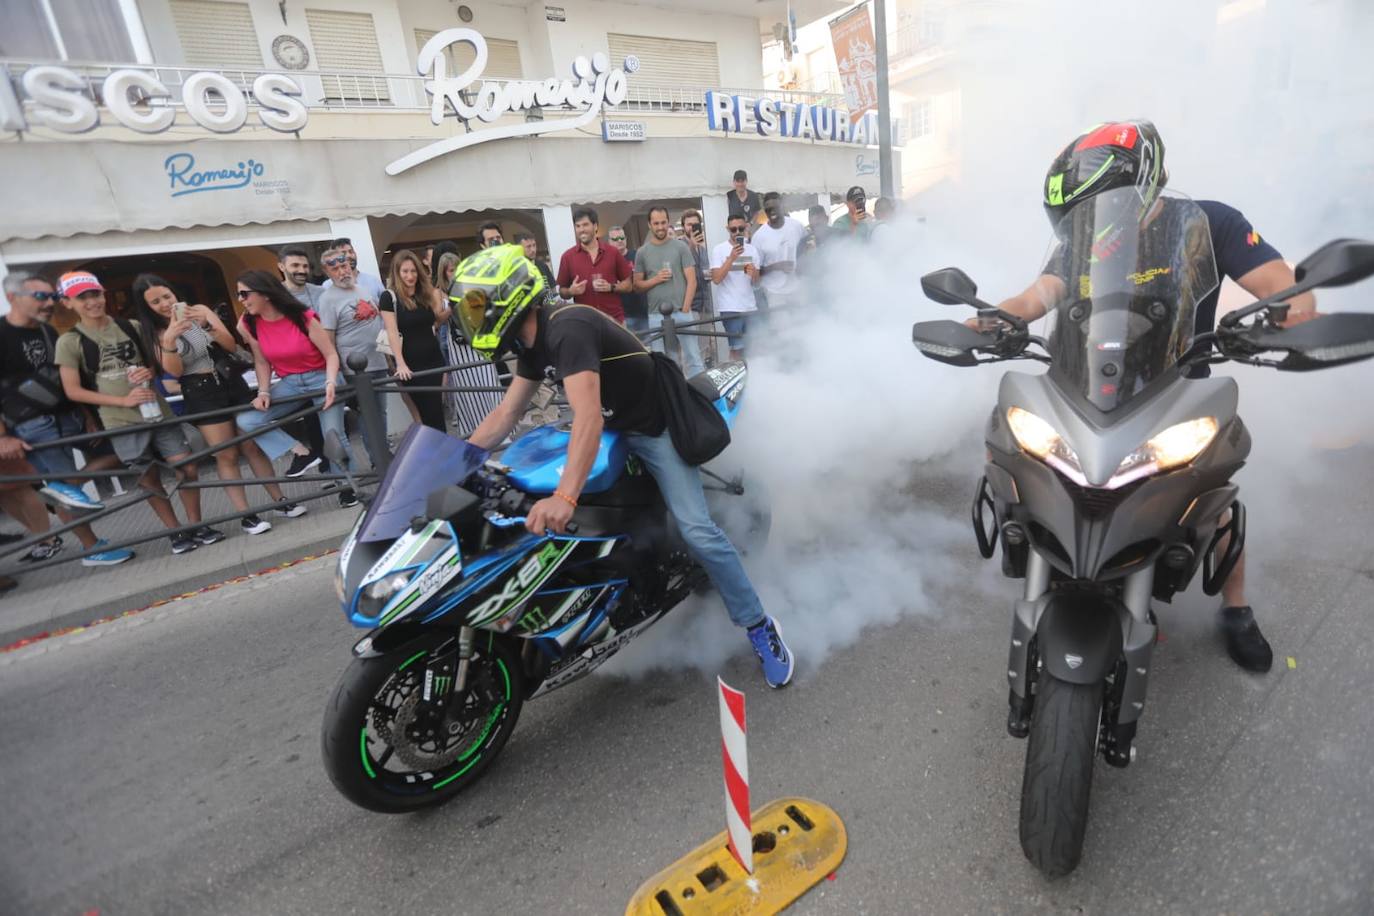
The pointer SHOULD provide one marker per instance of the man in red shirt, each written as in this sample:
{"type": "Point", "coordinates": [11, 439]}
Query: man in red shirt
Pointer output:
{"type": "Point", "coordinates": [592, 274]}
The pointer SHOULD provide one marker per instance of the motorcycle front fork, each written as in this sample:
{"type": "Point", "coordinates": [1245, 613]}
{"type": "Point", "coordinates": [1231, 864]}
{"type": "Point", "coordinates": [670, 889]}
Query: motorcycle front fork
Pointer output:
{"type": "Point", "coordinates": [1125, 699]}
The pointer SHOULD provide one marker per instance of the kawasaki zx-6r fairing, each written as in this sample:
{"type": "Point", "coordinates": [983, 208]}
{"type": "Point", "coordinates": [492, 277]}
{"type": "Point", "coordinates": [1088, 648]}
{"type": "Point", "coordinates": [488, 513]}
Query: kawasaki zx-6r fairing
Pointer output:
{"type": "Point", "coordinates": [471, 615]}
{"type": "Point", "coordinates": [1108, 481]}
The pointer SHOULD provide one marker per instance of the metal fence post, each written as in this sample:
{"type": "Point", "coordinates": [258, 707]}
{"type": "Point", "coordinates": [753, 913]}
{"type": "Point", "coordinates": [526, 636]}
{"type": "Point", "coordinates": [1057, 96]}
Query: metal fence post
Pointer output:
{"type": "Point", "coordinates": [671, 344]}
{"type": "Point", "coordinates": [370, 411]}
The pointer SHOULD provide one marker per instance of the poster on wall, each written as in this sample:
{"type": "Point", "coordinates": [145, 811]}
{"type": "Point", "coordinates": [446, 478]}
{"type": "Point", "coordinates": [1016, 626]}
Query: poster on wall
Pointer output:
{"type": "Point", "coordinates": [856, 59]}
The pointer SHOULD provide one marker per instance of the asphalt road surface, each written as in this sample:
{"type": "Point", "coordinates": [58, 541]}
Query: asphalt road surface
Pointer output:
{"type": "Point", "coordinates": [169, 763]}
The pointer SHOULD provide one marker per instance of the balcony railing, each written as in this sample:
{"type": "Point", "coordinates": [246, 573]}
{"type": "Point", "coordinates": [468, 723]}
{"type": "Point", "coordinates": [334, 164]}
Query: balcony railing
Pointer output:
{"type": "Point", "coordinates": [336, 90]}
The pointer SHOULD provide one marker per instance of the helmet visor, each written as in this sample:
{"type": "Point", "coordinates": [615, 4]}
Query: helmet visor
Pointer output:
{"type": "Point", "coordinates": [477, 315]}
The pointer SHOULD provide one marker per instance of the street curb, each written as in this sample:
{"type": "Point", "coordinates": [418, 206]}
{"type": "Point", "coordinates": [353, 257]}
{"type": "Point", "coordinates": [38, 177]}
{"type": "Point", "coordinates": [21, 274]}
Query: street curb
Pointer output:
{"type": "Point", "coordinates": [98, 608]}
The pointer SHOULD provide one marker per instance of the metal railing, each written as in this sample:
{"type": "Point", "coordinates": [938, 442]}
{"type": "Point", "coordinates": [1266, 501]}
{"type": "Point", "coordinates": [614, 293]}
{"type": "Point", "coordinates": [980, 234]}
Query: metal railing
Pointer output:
{"type": "Point", "coordinates": [344, 90]}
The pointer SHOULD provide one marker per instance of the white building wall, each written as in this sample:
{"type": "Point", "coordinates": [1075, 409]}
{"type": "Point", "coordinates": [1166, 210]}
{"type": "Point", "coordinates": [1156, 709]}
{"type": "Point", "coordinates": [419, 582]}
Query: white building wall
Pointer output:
{"type": "Point", "coordinates": [511, 23]}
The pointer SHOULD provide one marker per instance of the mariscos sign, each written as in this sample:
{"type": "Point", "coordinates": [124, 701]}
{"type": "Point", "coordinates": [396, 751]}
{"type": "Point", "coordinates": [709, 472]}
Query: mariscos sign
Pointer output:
{"type": "Point", "coordinates": [595, 84]}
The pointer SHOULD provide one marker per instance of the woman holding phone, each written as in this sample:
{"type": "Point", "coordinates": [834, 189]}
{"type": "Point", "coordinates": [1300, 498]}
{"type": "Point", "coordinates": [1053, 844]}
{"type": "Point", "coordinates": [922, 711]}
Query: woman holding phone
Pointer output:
{"type": "Point", "coordinates": [185, 340]}
{"type": "Point", "coordinates": [412, 309]}
{"type": "Point", "coordinates": [288, 339]}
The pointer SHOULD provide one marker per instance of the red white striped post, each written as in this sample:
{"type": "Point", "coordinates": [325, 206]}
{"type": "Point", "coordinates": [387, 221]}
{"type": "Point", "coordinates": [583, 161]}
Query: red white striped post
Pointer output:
{"type": "Point", "coordinates": [733, 752]}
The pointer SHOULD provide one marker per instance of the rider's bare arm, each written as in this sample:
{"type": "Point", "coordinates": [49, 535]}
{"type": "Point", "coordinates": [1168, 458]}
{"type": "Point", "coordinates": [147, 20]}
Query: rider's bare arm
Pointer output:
{"type": "Point", "coordinates": [1274, 277]}
{"type": "Point", "coordinates": [493, 430]}
{"type": "Point", "coordinates": [584, 397]}
{"type": "Point", "coordinates": [1036, 299]}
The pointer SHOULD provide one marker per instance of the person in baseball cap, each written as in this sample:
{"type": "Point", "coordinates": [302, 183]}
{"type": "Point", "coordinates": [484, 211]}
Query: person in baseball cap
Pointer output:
{"type": "Point", "coordinates": [75, 282]}
{"type": "Point", "coordinates": [856, 223]}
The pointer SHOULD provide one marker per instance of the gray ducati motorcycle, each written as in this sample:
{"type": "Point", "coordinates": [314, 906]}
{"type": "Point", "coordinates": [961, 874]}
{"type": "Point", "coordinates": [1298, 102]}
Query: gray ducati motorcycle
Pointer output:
{"type": "Point", "coordinates": [1108, 479]}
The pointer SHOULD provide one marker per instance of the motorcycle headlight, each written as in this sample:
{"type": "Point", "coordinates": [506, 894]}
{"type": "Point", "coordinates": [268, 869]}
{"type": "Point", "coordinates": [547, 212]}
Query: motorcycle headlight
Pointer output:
{"type": "Point", "coordinates": [387, 586]}
{"type": "Point", "coordinates": [1040, 439]}
{"type": "Point", "coordinates": [1179, 444]}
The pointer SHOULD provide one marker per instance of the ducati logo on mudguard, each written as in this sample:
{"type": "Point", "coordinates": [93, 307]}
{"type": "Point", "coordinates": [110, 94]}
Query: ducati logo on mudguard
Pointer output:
{"type": "Point", "coordinates": [1073, 661]}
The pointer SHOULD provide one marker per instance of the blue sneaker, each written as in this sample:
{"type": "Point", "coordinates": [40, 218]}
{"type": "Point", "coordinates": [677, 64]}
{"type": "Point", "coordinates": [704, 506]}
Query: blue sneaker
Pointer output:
{"type": "Point", "coordinates": [772, 652]}
{"type": "Point", "coordinates": [69, 496]}
{"type": "Point", "coordinates": [107, 557]}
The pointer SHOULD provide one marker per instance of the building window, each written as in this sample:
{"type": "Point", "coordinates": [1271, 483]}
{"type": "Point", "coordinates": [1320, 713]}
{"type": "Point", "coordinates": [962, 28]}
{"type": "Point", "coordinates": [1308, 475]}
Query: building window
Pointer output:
{"type": "Point", "coordinates": [92, 31]}
{"type": "Point", "coordinates": [503, 56]}
{"type": "Point", "coordinates": [348, 42]}
{"type": "Point", "coordinates": [668, 62]}
{"type": "Point", "coordinates": [916, 120]}
{"type": "Point", "coordinates": [216, 35]}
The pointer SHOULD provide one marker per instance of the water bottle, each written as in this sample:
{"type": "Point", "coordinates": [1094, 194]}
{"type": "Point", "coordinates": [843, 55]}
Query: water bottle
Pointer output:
{"type": "Point", "coordinates": [149, 410]}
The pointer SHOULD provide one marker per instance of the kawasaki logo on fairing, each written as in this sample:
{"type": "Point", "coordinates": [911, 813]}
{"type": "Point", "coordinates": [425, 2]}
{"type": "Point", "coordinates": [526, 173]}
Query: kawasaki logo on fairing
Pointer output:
{"type": "Point", "coordinates": [518, 586]}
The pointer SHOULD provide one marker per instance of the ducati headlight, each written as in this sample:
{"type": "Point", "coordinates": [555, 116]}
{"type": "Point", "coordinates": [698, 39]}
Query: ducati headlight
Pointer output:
{"type": "Point", "coordinates": [1041, 439]}
{"type": "Point", "coordinates": [1179, 444]}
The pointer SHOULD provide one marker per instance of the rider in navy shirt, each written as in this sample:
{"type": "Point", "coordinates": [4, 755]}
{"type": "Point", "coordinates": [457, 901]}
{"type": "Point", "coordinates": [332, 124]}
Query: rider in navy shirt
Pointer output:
{"type": "Point", "coordinates": [1126, 154]}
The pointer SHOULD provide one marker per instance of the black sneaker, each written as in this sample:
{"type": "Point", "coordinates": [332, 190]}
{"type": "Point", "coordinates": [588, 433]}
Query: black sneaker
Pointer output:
{"type": "Point", "coordinates": [1244, 642]}
{"type": "Point", "coordinates": [302, 463]}
{"type": "Point", "coordinates": [205, 536]}
{"type": "Point", "coordinates": [289, 509]}
{"type": "Point", "coordinates": [252, 524]}
{"type": "Point", "coordinates": [183, 543]}
{"type": "Point", "coordinates": [44, 550]}
{"type": "Point", "coordinates": [347, 498]}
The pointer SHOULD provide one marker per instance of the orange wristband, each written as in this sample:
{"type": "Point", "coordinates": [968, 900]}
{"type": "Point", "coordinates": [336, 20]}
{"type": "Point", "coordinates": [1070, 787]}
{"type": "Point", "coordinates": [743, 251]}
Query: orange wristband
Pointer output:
{"type": "Point", "coordinates": [566, 498]}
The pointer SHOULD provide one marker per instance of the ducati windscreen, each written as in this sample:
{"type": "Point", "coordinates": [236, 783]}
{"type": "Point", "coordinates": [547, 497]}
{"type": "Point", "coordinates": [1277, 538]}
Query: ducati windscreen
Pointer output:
{"type": "Point", "coordinates": [1133, 277]}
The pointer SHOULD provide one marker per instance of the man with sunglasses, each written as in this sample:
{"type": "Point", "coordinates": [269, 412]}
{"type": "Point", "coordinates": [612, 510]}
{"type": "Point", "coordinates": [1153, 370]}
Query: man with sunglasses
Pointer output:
{"type": "Point", "coordinates": [734, 273]}
{"type": "Point", "coordinates": [635, 305]}
{"type": "Point", "coordinates": [28, 350]}
{"type": "Point", "coordinates": [349, 313]}
{"type": "Point", "coordinates": [371, 283]}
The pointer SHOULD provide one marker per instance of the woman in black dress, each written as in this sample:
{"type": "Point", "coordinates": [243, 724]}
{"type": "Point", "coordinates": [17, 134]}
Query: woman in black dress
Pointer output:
{"type": "Point", "coordinates": [411, 310]}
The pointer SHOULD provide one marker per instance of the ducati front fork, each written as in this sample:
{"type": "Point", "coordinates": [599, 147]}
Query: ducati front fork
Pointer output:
{"type": "Point", "coordinates": [1125, 700]}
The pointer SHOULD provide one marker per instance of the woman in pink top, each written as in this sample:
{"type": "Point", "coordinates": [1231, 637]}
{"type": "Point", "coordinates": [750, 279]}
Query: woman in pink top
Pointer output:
{"type": "Point", "coordinates": [287, 338]}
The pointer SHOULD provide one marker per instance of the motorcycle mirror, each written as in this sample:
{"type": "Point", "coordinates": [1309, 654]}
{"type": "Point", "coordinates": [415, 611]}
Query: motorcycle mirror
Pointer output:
{"type": "Point", "coordinates": [452, 504]}
{"type": "Point", "coordinates": [1322, 342]}
{"type": "Point", "coordinates": [950, 286]}
{"type": "Point", "coordinates": [948, 341]}
{"type": "Point", "coordinates": [1337, 263]}
{"type": "Point", "coordinates": [38, 394]}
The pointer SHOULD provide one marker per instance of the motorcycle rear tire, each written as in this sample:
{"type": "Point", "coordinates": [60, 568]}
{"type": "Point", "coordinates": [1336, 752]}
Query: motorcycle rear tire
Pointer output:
{"type": "Point", "coordinates": [361, 779]}
{"type": "Point", "coordinates": [1058, 778]}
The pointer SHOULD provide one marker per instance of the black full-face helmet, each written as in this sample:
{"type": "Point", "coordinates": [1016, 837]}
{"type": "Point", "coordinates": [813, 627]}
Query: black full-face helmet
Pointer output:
{"type": "Point", "coordinates": [1118, 155]}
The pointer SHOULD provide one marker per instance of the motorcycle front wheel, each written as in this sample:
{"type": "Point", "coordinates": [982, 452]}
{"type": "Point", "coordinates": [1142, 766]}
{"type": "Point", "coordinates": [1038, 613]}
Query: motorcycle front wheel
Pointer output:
{"type": "Point", "coordinates": [387, 750]}
{"type": "Point", "coordinates": [1055, 787]}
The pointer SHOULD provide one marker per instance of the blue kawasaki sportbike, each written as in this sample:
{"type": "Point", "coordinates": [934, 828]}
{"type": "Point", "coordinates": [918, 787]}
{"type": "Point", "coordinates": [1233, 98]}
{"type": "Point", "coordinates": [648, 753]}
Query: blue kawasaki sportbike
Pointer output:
{"type": "Point", "coordinates": [471, 615]}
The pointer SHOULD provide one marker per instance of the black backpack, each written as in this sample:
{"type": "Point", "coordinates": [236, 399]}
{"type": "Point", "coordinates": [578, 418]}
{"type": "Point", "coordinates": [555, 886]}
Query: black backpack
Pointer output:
{"type": "Point", "coordinates": [698, 431]}
{"type": "Point", "coordinates": [90, 351]}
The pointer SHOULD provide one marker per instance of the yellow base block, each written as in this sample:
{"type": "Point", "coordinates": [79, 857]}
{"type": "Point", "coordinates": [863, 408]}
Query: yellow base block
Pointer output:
{"type": "Point", "coordinates": [797, 842]}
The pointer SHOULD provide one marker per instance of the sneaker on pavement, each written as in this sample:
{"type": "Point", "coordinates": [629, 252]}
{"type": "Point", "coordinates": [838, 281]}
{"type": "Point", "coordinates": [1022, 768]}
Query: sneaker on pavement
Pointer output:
{"type": "Point", "coordinates": [44, 550]}
{"type": "Point", "coordinates": [289, 509]}
{"type": "Point", "coordinates": [252, 524]}
{"type": "Point", "coordinates": [183, 543]}
{"type": "Point", "coordinates": [67, 495]}
{"type": "Point", "coordinates": [772, 652]}
{"type": "Point", "coordinates": [1244, 642]}
{"type": "Point", "coordinates": [107, 557]}
{"type": "Point", "coordinates": [205, 535]}
{"type": "Point", "coordinates": [302, 463]}
{"type": "Point", "coordinates": [347, 498]}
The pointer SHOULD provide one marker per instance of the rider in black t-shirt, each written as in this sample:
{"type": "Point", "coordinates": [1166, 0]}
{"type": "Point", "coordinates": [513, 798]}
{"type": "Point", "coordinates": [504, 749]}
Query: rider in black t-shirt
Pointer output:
{"type": "Point", "coordinates": [609, 379]}
{"type": "Point", "coordinates": [1131, 153]}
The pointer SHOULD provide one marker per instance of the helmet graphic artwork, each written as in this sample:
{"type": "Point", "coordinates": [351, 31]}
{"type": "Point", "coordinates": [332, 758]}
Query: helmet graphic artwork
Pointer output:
{"type": "Point", "coordinates": [1110, 156]}
{"type": "Point", "coordinates": [491, 292]}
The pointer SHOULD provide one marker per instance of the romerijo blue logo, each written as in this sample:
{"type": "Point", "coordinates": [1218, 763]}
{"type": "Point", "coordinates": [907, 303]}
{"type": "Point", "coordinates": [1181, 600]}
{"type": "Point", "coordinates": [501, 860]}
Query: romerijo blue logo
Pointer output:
{"type": "Point", "coordinates": [184, 178]}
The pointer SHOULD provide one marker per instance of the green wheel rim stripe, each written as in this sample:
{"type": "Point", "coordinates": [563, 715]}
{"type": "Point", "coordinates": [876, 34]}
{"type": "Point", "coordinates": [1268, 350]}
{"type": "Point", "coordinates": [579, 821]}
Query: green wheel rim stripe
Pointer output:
{"type": "Point", "coordinates": [362, 747]}
{"type": "Point", "coordinates": [481, 739]}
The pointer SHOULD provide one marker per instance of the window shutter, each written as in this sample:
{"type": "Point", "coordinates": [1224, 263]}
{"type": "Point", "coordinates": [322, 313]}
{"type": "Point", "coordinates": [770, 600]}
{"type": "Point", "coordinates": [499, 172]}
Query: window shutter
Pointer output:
{"type": "Point", "coordinates": [668, 61]}
{"type": "Point", "coordinates": [217, 36]}
{"type": "Point", "coordinates": [348, 41]}
{"type": "Point", "coordinates": [503, 56]}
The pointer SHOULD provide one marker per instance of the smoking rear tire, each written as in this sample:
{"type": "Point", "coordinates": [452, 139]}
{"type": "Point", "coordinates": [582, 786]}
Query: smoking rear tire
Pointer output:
{"type": "Point", "coordinates": [1057, 783]}
{"type": "Point", "coordinates": [363, 764]}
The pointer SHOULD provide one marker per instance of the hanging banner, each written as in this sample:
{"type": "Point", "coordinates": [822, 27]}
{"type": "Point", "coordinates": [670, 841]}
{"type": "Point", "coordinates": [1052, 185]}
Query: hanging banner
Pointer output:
{"type": "Point", "coordinates": [857, 60]}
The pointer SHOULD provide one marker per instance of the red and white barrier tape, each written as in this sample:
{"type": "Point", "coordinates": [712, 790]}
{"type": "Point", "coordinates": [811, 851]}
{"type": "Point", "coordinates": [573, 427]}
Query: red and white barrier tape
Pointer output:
{"type": "Point", "coordinates": [736, 760]}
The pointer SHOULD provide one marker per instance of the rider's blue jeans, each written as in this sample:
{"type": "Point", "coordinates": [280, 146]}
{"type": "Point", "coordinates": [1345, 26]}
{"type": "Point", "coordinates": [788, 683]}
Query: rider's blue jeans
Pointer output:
{"type": "Point", "coordinates": [680, 484]}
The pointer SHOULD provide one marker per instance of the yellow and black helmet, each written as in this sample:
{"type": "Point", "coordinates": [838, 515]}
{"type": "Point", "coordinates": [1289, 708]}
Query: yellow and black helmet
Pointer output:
{"type": "Point", "coordinates": [491, 292]}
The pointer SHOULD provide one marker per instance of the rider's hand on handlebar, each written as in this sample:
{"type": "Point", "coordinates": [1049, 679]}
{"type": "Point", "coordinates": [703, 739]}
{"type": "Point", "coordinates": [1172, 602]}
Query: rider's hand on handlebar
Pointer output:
{"type": "Point", "coordinates": [549, 514]}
